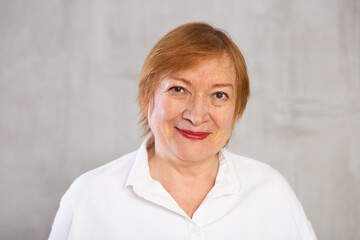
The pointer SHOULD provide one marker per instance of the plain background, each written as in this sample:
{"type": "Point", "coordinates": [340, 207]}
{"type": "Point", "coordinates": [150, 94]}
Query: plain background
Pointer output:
{"type": "Point", "coordinates": [68, 82]}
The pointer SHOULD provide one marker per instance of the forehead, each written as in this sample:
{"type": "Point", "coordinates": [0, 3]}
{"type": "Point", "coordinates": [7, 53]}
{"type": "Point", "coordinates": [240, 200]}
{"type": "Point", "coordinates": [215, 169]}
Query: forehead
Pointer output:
{"type": "Point", "coordinates": [219, 69]}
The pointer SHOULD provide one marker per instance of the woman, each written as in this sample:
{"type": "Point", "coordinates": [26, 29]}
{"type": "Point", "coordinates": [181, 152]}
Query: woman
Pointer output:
{"type": "Point", "coordinates": [182, 183]}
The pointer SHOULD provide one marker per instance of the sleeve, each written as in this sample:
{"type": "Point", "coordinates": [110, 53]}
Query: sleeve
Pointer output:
{"type": "Point", "coordinates": [62, 223]}
{"type": "Point", "coordinates": [304, 226]}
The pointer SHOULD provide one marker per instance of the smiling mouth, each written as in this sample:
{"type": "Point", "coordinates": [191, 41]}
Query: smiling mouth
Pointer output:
{"type": "Point", "coordinates": [193, 135]}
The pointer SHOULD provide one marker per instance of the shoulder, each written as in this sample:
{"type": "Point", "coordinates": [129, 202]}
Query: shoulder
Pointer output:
{"type": "Point", "coordinates": [252, 173]}
{"type": "Point", "coordinates": [112, 175]}
{"type": "Point", "coordinates": [265, 188]}
{"type": "Point", "coordinates": [247, 164]}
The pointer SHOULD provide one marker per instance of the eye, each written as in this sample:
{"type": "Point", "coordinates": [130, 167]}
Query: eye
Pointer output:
{"type": "Point", "coordinates": [219, 98]}
{"type": "Point", "coordinates": [221, 95]}
{"type": "Point", "coordinates": [176, 90]}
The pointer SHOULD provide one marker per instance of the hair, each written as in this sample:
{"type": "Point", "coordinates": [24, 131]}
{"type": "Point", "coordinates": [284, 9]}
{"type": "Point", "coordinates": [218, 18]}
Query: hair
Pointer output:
{"type": "Point", "coordinates": [183, 48]}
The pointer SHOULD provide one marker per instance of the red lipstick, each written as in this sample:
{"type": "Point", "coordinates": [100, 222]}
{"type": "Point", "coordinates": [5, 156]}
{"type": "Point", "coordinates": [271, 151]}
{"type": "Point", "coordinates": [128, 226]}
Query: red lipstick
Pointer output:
{"type": "Point", "coordinates": [193, 135]}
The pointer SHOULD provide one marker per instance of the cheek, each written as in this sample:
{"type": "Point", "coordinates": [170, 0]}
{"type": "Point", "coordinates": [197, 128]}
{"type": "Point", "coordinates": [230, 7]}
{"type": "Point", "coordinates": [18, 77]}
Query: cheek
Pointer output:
{"type": "Point", "coordinates": [167, 108]}
{"type": "Point", "coordinates": [224, 119]}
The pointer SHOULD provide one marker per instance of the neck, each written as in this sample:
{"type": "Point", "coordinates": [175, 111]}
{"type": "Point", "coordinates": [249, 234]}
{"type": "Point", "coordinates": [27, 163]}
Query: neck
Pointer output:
{"type": "Point", "coordinates": [173, 168]}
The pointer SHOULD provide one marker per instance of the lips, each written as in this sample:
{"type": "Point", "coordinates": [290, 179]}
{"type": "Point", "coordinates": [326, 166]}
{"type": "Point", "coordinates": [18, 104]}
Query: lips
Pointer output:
{"type": "Point", "coordinates": [193, 135]}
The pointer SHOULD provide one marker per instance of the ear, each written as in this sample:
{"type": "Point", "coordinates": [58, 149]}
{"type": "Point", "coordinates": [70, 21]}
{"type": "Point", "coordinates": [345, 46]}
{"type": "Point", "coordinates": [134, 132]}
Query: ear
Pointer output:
{"type": "Point", "coordinates": [235, 120]}
{"type": "Point", "coordinates": [150, 109]}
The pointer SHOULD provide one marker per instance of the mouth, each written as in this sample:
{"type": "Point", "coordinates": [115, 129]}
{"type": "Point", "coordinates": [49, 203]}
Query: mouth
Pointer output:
{"type": "Point", "coordinates": [193, 135]}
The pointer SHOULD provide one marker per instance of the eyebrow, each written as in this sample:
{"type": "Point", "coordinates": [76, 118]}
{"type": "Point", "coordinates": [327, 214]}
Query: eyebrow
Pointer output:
{"type": "Point", "coordinates": [187, 82]}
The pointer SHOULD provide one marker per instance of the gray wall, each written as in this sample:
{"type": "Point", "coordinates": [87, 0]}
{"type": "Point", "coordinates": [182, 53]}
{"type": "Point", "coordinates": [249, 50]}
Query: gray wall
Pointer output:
{"type": "Point", "coordinates": [68, 82]}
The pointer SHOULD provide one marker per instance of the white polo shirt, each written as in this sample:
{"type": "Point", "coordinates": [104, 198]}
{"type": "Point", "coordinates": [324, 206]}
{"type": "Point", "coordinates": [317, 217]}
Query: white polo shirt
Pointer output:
{"type": "Point", "coordinates": [120, 200]}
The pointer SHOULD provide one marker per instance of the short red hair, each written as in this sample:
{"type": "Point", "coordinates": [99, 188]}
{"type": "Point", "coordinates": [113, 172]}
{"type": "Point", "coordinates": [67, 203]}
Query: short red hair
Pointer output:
{"type": "Point", "coordinates": [181, 49]}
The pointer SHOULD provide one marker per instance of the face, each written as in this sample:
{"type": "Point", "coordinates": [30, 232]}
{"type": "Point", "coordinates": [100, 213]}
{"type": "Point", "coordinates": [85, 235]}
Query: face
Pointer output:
{"type": "Point", "coordinates": [192, 111]}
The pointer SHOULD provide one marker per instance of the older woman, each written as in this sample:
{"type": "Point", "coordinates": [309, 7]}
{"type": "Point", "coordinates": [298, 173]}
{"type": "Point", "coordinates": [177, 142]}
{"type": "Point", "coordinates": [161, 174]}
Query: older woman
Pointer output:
{"type": "Point", "coordinates": [182, 183]}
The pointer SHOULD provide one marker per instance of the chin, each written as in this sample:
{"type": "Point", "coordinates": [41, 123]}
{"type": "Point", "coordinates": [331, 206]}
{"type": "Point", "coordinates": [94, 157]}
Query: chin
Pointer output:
{"type": "Point", "coordinates": [192, 152]}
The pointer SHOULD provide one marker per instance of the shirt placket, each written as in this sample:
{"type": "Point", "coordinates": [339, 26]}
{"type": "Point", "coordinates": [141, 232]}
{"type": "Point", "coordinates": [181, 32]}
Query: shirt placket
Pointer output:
{"type": "Point", "coordinates": [194, 230]}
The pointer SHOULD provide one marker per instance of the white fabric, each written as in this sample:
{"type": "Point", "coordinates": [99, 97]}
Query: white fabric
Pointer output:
{"type": "Point", "coordinates": [120, 200]}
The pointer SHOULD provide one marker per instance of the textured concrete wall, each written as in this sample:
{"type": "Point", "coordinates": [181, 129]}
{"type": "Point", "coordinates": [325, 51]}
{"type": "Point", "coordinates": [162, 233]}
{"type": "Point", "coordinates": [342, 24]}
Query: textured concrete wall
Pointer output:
{"type": "Point", "coordinates": [68, 82]}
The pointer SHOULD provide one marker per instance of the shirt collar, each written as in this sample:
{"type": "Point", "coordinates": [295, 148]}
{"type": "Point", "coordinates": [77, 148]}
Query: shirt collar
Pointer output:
{"type": "Point", "coordinates": [227, 181]}
{"type": "Point", "coordinates": [140, 169]}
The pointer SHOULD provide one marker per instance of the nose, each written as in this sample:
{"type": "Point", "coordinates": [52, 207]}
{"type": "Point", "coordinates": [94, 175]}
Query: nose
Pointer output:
{"type": "Point", "coordinates": [196, 111]}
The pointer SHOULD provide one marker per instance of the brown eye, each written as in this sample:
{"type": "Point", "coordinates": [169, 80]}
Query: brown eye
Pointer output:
{"type": "Point", "coordinates": [220, 95]}
{"type": "Point", "coordinates": [177, 89]}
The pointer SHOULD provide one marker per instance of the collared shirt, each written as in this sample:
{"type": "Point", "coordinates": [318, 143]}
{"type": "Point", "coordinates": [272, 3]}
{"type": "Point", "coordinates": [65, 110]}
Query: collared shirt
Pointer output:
{"type": "Point", "coordinates": [121, 200]}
